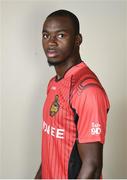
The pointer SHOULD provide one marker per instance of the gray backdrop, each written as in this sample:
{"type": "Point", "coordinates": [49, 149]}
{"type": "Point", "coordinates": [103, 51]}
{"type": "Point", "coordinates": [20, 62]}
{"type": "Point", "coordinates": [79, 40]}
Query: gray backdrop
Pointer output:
{"type": "Point", "coordinates": [24, 76]}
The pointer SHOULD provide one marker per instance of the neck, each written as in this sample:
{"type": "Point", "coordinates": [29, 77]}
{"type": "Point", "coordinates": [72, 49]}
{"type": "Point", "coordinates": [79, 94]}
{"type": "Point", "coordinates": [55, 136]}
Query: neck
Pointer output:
{"type": "Point", "coordinates": [61, 69]}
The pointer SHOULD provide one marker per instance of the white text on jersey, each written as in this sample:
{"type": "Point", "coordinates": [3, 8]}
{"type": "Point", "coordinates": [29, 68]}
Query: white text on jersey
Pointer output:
{"type": "Point", "coordinates": [96, 129]}
{"type": "Point", "coordinates": [52, 131]}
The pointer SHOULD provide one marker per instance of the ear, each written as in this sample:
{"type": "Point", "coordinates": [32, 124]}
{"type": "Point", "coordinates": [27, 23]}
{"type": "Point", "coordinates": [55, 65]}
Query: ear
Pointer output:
{"type": "Point", "coordinates": [78, 39]}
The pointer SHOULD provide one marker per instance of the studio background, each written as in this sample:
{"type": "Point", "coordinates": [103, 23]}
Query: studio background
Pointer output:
{"type": "Point", "coordinates": [24, 75]}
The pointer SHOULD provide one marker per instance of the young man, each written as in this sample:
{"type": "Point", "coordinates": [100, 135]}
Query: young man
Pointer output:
{"type": "Point", "coordinates": [75, 110]}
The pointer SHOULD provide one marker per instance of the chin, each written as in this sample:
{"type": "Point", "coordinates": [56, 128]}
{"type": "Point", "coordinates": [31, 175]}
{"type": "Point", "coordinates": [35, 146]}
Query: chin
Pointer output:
{"type": "Point", "coordinates": [53, 62]}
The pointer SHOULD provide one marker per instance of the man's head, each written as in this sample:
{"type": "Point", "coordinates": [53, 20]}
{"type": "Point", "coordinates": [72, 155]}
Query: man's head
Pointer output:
{"type": "Point", "coordinates": [73, 18]}
{"type": "Point", "coordinates": [61, 37]}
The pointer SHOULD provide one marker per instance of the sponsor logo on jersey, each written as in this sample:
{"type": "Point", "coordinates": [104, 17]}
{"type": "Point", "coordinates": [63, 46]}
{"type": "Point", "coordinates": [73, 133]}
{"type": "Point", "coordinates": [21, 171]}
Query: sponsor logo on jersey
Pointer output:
{"type": "Point", "coordinates": [52, 131]}
{"type": "Point", "coordinates": [96, 129]}
{"type": "Point", "coordinates": [55, 106]}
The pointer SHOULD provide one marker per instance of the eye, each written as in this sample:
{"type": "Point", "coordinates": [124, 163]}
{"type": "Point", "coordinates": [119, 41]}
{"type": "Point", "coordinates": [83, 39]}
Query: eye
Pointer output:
{"type": "Point", "coordinates": [45, 36]}
{"type": "Point", "coordinates": [60, 36]}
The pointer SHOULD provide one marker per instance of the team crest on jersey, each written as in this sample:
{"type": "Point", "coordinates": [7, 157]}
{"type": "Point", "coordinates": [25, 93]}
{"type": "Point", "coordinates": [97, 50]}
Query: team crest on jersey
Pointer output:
{"type": "Point", "coordinates": [55, 106]}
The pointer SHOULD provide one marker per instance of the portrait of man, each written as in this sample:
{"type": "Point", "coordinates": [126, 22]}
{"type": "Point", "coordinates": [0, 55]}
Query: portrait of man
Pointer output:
{"type": "Point", "coordinates": [76, 106]}
{"type": "Point", "coordinates": [63, 89]}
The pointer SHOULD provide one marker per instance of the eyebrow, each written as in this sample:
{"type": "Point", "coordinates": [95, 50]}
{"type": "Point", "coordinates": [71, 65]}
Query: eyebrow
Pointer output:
{"type": "Point", "coordinates": [61, 30]}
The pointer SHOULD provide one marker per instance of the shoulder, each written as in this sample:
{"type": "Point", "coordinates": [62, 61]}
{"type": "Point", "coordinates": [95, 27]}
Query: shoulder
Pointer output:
{"type": "Point", "coordinates": [83, 76]}
{"type": "Point", "coordinates": [85, 81]}
{"type": "Point", "coordinates": [90, 91]}
{"type": "Point", "coordinates": [51, 80]}
{"type": "Point", "coordinates": [50, 83]}
{"type": "Point", "coordinates": [89, 97]}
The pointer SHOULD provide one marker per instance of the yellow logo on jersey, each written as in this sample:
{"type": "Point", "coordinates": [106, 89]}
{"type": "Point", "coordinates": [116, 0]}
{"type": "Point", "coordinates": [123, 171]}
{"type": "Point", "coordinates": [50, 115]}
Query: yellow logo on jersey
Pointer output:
{"type": "Point", "coordinates": [55, 106]}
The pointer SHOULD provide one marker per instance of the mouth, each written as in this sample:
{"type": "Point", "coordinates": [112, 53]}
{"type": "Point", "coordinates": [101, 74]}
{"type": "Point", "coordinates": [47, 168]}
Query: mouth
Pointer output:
{"type": "Point", "coordinates": [52, 53]}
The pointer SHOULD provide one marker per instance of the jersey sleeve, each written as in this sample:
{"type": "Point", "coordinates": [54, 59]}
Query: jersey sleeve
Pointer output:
{"type": "Point", "coordinates": [91, 105]}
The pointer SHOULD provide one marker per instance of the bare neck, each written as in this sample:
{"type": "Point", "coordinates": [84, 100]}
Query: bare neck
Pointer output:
{"type": "Point", "coordinates": [61, 69]}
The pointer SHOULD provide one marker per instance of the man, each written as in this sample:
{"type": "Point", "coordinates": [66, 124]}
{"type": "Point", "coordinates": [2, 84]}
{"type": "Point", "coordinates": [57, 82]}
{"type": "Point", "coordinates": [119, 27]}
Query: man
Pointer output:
{"type": "Point", "coordinates": [75, 110]}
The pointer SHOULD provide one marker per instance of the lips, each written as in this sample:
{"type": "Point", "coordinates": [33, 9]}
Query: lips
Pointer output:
{"type": "Point", "coordinates": [52, 53]}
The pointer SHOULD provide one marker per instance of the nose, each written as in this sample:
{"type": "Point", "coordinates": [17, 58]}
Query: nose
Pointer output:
{"type": "Point", "coordinates": [52, 41]}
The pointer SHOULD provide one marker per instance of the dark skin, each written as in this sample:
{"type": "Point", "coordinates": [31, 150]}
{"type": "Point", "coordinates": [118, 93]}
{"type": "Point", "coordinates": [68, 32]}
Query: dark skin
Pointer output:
{"type": "Point", "coordinates": [63, 42]}
{"type": "Point", "coordinates": [61, 46]}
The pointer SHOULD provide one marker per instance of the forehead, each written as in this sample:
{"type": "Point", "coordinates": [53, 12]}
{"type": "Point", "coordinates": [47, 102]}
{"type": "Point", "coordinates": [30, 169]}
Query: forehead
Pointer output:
{"type": "Point", "coordinates": [58, 23]}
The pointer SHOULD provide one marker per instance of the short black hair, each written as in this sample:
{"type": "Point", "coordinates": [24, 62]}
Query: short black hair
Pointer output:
{"type": "Point", "coordinates": [65, 13]}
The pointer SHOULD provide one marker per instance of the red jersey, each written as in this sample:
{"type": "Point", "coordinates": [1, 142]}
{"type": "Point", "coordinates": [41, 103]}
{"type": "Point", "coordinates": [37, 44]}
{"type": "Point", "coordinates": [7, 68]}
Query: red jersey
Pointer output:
{"type": "Point", "coordinates": [75, 110]}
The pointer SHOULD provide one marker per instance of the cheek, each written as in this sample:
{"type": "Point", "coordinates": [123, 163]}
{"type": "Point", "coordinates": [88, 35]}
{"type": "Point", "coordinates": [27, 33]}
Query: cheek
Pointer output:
{"type": "Point", "coordinates": [44, 45]}
{"type": "Point", "coordinates": [68, 46]}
